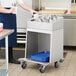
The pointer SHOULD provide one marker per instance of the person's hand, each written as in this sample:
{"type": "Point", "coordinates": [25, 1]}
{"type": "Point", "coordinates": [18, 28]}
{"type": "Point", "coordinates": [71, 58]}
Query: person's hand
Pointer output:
{"type": "Point", "coordinates": [12, 10]}
{"type": "Point", "coordinates": [34, 12]}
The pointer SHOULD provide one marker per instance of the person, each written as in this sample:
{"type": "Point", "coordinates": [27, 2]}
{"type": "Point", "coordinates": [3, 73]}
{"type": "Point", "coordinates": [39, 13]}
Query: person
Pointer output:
{"type": "Point", "coordinates": [9, 21]}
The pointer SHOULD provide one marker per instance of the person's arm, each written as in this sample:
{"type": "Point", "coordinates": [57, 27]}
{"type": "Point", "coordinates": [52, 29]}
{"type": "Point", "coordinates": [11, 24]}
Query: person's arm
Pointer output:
{"type": "Point", "coordinates": [3, 10]}
{"type": "Point", "coordinates": [26, 7]}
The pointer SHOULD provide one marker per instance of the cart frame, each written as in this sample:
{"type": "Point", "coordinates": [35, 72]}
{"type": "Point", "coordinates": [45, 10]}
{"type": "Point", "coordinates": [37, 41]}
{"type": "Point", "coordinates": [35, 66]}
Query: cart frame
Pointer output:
{"type": "Point", "coordinates": [56, 46]}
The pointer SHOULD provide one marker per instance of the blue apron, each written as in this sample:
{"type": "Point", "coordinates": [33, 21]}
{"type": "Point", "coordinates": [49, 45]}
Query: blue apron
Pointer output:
{"type": "Point", "coordinates": [9, 22]}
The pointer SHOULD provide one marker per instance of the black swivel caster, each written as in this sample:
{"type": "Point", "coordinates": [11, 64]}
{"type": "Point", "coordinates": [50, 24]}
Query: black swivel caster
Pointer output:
{"type": "Point", "coordinates": [56, 64]}
{"type": "Point", "coordinates": [61, 60]}
{"type": "Point", "coordinates": [42, 69]}
{"type": "Point", "coordinates": [24, 65]}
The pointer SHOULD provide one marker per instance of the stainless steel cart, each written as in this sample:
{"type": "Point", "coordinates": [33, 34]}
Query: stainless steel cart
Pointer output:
{"type": "Point", "coordinates": [42, 36]}
{"type": "Point", "coordinates": [4, 34]}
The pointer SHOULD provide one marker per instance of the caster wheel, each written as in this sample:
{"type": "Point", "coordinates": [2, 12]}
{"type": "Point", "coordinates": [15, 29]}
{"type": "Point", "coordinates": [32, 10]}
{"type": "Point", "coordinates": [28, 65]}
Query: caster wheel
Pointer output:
{"type": "Point", "coordinates": [56, 64]}
{"type": "Point", "coordinates": [61, 60]}
{"type": "Point", "coordinates": [42, 69]}
{"type": "Point", "coordinates": [24, 65]}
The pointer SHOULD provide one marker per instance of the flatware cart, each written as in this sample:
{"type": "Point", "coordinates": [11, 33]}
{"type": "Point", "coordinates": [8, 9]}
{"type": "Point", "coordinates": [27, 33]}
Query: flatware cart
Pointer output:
{"type": "Point", "coordinates": [44, 36]}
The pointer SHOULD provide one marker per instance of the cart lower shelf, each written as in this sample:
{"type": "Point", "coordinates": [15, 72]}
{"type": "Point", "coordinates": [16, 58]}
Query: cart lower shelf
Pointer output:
{"type": "Point", "coordinates": [29, 60]}
{"type": "Point", "coordinates": [3, 72]}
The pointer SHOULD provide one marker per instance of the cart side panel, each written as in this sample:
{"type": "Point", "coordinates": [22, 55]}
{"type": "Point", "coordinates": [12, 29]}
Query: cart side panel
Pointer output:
{"type": "Point", "coordinates": [57, 45]}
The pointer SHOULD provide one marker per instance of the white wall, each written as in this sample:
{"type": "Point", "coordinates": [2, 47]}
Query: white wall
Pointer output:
{"type": "Point", "coordinates": [58, 4]}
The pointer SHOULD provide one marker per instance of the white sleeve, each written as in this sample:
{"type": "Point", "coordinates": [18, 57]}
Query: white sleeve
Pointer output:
{"type": "Point", "coordinates": [20, 1]}
{"type": "Point", "coordinates": [0, 2]}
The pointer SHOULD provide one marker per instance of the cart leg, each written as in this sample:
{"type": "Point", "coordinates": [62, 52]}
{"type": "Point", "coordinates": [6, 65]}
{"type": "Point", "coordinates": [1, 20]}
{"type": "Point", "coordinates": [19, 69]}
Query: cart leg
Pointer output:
{"type": "Point", "coordinates": [61, 60]}
{"type": "Point", "coordinates": [56, 64]}
{"type": "Point", "coordinates": [42, 68]}
{"type": "Point", "coordinates": [6, 48]}
{"type": "Point", "coordinates": [24, 64]}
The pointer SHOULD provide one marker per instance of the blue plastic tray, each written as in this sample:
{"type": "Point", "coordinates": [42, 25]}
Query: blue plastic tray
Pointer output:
{"type": "Point", "coordinates": [41, 56]}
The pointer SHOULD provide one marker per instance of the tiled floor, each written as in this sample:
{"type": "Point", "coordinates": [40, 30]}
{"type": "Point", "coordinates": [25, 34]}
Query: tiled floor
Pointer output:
{"type": "Point", "coordinates": [67, 68]}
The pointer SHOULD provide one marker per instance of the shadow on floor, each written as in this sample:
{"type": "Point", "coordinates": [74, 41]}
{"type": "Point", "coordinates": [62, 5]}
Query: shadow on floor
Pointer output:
{"type": "Point", "coordinates": [17, 54]}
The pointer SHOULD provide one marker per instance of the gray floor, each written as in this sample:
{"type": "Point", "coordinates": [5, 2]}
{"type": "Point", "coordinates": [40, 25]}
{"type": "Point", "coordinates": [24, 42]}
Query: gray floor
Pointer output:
{"type": "Point", "coordinates": [67, 67]}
